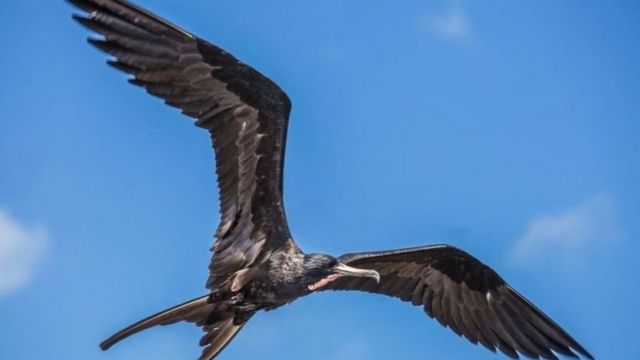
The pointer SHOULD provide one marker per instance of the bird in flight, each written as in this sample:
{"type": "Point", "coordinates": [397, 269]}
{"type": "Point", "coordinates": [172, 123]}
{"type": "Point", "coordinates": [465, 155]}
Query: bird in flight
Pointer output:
{"type": "Point", "coordinates": [256, 265]}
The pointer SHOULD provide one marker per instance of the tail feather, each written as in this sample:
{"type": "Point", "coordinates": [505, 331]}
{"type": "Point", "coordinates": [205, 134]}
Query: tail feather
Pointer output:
{"type": "Point", "coordinates": [216, 319]}
{"type": "Point", "coordinates": [218, 336]}
{"type": "Point", "coordinates": [195, 310]}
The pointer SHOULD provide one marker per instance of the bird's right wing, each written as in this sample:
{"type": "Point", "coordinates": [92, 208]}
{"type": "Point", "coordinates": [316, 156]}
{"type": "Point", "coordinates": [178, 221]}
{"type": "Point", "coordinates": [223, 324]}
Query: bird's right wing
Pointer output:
{"type": "Point", "coordinates": [464, 294]}
{"type": "Point", "coordinates": [245, 113]}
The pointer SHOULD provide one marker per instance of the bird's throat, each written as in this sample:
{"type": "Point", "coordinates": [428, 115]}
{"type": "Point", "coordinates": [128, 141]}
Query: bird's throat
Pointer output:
{"type": "Point", "coordinates": [324, 282]}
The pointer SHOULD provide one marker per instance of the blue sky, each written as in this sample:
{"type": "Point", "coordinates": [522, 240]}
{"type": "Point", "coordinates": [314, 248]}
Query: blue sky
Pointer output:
{"type": "Point", "coordinates": [509, 129]}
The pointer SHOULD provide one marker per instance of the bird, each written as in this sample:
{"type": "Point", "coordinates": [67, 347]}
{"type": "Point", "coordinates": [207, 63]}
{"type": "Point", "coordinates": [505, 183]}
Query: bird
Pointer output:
{"type": "Point", "coordinates": [256, 265]}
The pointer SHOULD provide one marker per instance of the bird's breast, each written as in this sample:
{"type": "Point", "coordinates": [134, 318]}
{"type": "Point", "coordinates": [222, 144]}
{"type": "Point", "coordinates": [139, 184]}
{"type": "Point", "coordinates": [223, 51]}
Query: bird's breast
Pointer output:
{"type": "Point", "coordinates": [280, 283]}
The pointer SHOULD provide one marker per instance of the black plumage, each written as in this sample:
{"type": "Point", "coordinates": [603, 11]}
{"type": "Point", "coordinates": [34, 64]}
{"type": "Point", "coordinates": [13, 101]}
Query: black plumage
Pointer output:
{"type": "Point", "coordinates": [256, 265]}
{"type": "Point", "coordinates": [463, 294]}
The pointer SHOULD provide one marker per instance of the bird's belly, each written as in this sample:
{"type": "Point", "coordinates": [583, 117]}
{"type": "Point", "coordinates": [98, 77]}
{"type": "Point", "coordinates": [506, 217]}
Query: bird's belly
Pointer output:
{"type": "Point", "coordinates": [260, 298]}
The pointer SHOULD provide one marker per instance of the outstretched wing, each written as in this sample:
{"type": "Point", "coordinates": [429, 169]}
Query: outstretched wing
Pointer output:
{"type": "Point", "coordinates": [464, 294]}
{"type": "Point", "coordinates": [245, 113]}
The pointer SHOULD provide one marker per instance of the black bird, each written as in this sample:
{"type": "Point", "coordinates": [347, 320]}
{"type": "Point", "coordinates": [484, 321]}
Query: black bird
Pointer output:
{"type": "Point", "coordinates": [256, 265]}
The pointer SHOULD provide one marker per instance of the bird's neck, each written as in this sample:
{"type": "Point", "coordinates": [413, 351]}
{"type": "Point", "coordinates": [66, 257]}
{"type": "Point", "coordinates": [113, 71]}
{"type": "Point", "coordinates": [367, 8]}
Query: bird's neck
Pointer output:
{"type": "Point", "coordinates": [288, 266]}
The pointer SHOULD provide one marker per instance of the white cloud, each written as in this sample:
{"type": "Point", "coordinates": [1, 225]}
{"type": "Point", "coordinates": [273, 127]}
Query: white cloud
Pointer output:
{"type": "Point", "coordinates": [21, 250]}
{"type": "Point", "coordinates": [569, 236]}
{"type": "Point", "coordinates": [451, 24]}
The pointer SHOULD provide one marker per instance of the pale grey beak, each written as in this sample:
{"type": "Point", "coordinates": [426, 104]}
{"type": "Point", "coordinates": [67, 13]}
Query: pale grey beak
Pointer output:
{"type": "Point", "coordinates": [345, 270]}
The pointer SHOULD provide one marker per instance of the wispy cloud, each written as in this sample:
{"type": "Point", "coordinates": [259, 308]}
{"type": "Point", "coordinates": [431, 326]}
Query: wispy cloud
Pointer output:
{"type": "Point", "coordinates": [450, 24]}
{"type": "Point", "coordinates": [569, 236]}
{"type": "Point", "coordinates": [22, 248]}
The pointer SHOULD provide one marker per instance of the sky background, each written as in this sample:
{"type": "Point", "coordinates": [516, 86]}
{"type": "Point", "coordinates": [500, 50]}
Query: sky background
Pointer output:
{"type": "Point", "coordinates": [509, 129]}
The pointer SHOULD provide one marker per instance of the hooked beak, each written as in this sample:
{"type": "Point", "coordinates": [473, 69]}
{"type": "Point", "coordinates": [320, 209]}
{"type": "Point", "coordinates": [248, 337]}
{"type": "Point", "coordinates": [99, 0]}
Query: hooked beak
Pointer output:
{"type": "Point", "coordinates": [345, 270]}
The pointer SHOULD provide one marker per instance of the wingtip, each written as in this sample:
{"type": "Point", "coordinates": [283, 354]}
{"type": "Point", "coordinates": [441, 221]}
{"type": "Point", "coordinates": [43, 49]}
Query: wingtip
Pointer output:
{"type": "Point", "coordinates": [582, 351]}
{"type": "Point", "coordinates": [82, 5]}
{"type": "Point", "coordinates": [102, 45]}
{"type": "Point", "coordinates": [78, 17]}
{"type": "Point", "coordinates": [586, 354]}
{"type": "Point", "coordinates": [82, 20]}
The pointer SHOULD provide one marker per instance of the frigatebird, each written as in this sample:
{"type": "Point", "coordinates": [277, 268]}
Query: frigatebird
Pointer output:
{"type": "Point", "coordinates": [256, 265]}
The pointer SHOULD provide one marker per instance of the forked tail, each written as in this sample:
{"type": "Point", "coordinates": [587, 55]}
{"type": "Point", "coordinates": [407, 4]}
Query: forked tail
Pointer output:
{"type": "Point", "coordinates": [216, 321]}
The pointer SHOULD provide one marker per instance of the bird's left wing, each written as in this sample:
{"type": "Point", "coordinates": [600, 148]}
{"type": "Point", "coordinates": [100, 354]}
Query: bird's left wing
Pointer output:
{"type": "Point", "coordinates": [465, 295]}
{"type": "Point", "coordinates": [245, 113]}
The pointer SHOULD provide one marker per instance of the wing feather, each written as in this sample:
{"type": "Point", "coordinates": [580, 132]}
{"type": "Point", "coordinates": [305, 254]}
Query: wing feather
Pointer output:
{"type": "Point", "coordinates": [467, 296]}
{"type": "Point", "coordinates": [245, 113]}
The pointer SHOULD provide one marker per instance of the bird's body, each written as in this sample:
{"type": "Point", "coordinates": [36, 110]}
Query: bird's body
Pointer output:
{"type": "Point", "coordinates": [256, 265]}
{"type": "Point", "coordinates": [281, 280]}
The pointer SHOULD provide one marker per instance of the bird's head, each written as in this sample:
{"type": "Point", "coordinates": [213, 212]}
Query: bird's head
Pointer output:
{"type": "Point", "coordinates": [321, 269]}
